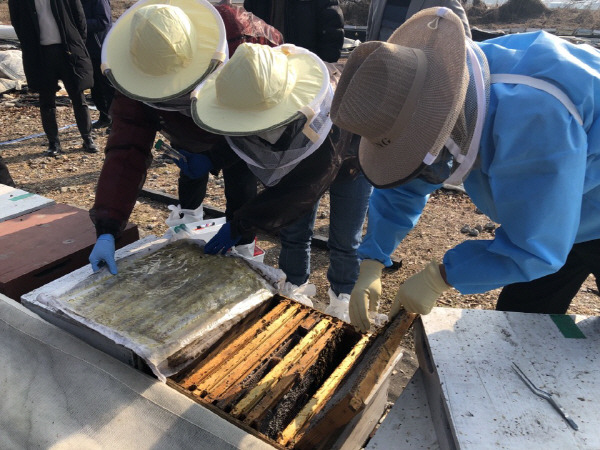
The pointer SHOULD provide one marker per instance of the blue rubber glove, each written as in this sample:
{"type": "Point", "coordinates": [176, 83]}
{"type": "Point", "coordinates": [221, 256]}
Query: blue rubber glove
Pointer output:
{"type": "Point", "coordinates": [104, 253]}
{"type": "Point", "coordinates": [195, 165]}
{"type": "Point", "coordinates": [222, 241]}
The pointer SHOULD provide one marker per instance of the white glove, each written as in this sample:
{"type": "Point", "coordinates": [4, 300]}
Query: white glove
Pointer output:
{"type": "Point", "coordinates": [420, 292]}
{"type": "Point", "coordinates": [365, 294]}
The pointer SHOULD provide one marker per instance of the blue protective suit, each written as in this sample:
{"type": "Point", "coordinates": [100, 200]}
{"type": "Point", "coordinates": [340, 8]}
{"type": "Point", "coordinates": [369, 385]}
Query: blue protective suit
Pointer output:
{"type": "Point", "coordinates": [537, 174]}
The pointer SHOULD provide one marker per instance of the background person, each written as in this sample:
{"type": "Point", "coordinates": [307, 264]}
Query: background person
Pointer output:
{"type": "Point", "coordinates": [52, 34]}
{"type": "Point", "coordinates": [524, 140]}
{"type": "Point", "coordinates": [385, 16]}
{"type": "Point", "coordinates": [318, 25]}
{"type": "Point", "coordinates": [99, 21]}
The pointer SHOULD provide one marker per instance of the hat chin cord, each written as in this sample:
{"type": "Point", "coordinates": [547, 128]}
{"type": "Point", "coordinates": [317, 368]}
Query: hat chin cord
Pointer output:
{"type": "Point", "coordinates": [466, 161]}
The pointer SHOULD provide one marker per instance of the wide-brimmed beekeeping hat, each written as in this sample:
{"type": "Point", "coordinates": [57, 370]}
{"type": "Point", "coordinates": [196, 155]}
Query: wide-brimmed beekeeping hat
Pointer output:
{"type": "Point", "coordinates": [159, 50]}
{"type": "Point", "coordinates": [261, 88]}
{"type": "Point", "coordinates": [404, 96]}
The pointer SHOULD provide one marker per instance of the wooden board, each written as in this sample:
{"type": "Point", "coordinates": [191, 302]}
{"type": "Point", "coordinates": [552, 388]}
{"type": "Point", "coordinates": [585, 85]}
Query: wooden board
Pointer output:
{"type": "Point", "coordinates": [16, 202]}
{"type": "Point", "coordinates": [478, 401]}
{"type": "Point", "coordinates": [39, 247]}
{"type": "Point", "coordinates": [358, 393]}
{"type": "Point", "coordinates": [408, 423]}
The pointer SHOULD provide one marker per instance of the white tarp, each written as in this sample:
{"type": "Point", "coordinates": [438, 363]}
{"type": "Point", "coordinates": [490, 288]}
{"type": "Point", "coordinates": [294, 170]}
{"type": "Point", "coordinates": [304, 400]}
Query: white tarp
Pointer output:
{"type": "Point", "coordinates": [57, 392]}
{"type": "Point", "coordinates": [7, 32]}
{"type": "Point", "coordinates": [12, 75]}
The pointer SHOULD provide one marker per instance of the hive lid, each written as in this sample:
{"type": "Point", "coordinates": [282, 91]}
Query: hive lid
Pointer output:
{"type": "Point", "coordinates": [161, 300]}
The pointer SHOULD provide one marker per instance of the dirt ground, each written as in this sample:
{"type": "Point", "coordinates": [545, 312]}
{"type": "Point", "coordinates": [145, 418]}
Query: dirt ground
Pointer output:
{"type": "Point", "coordinates": [71, 179]}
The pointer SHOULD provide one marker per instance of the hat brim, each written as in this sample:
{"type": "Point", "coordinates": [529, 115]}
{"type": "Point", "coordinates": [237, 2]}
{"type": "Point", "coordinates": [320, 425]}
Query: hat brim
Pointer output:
{"type": "Point", "coordinates": [210, 51]}
{"type": "Point", "coordinates": [209, 114]}
{"type": "Point", "coordinates": [404, 157]}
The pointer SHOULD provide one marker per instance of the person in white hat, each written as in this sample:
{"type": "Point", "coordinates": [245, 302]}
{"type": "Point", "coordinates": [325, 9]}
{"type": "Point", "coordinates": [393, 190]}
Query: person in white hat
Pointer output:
{"type": "Point", "coordinates": [517, 119]}
{"type": "Point", "coordinates": [155, 55]}
{"type": "Point", "coordinates": [272, 104]}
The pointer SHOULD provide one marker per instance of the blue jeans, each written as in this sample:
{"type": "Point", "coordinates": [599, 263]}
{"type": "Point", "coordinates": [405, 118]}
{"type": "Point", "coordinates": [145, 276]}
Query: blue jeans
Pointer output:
{"type": "Point", "coordinates": [349, 200]}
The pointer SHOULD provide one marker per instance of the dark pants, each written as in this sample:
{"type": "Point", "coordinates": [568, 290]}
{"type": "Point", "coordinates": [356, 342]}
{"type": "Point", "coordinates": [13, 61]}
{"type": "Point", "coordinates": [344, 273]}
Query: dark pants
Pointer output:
{"type": "Point", "coordinates": [240, 188]}
{"type": "Point", "coordinates": [5, 177]}
{"type": "Point", "coordinates": [102, 92]}
{"type": "Point", "coordinates": [58, 68]}
{"type": "Point", "coordinates": [553, 293]}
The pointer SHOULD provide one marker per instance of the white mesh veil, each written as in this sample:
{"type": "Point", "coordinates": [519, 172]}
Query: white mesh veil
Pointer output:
{"type": "Point", "coordinates": [465, 138]}
{"type": "Point", "coordinates": [270, 160]}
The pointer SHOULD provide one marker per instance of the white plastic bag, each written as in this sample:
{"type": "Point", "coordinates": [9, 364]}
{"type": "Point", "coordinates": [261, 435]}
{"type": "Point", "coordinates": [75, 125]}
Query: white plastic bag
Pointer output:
{"type": "Point", "coordinates": [180, 216]}
{"type": "Point", "coordinates": [301, 294]}
{"type": "Point", "coordinates": [378, 319]}
{"type": "Point", "coordinates": [339, 306]}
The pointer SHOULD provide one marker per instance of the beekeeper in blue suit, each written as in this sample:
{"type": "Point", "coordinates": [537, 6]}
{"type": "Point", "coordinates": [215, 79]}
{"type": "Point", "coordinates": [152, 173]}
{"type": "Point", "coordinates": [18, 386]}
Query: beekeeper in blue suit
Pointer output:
{"type": "Point", "coordinates": [516, 119]}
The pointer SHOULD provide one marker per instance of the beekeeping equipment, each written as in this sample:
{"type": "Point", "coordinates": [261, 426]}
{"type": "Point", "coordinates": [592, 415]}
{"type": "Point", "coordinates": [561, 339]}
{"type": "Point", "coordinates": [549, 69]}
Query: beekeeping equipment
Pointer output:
{"type": "Point", "coordinates": [16, 202]}
{"type": "Point", "coordinates": [59, 392]}
{"type": "Point", "coordinates": [294, 376]}
{"type": "Point", "coordinates": [282, 371]}
{"type": "Point", "coordinates": [41, 246]}
{"type": "Point", "coordinates": [467, 395]}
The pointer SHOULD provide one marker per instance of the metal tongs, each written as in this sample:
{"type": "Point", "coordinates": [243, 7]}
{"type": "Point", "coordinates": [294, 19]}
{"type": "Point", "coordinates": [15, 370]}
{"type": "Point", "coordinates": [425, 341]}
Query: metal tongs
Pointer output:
{"type": "Point", "coordinates": [545, 395]}
{"type": "Point", "coordinates": [169, 151]}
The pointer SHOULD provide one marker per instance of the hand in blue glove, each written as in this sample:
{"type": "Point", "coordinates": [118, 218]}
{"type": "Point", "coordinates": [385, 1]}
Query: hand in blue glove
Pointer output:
{"type": "Point", "coordinates": [104, 253]}
{"type": "Point", "coordinates": [195, 165]}
{"type": "Point", "coordinates": [222, 241]}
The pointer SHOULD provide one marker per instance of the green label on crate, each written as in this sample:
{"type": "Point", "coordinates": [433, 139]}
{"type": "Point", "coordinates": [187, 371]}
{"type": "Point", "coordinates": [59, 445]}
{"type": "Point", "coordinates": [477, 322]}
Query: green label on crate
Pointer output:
{"type": "Point", "coordinates": [21, 197]}
{"type": "Point", "coordinates": [567, 326]}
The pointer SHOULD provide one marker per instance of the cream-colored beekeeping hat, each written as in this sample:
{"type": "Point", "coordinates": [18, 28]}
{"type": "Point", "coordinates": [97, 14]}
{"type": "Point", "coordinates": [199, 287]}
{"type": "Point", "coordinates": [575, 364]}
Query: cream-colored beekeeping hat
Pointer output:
{"type": "Point", "coordinates": [260, 88]}
{"type": "Point", "coordinates": [404, 96]}
{"type": "Point", "coordinates": [158, 50]}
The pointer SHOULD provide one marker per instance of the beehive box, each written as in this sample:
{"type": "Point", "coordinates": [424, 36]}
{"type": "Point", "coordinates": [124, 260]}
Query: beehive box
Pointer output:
{"type": "Point", "coordinates": [297, 377]}
{"type": "Point", "coordinates": [476, 398]}
{"type": "Point", "coordinates": [41, 246]}
{"type": "Point", "coordinates": [16, 202]}
{"type": "Point", "coordinates": [282, 371]}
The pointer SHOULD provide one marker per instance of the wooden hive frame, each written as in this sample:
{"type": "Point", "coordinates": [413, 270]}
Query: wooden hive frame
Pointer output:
{"type": "Point", "coordinates": [276, 373]}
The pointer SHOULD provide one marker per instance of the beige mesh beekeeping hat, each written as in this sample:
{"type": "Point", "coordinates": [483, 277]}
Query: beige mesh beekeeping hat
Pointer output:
{"type": "Point", "coordinates": [159, 50]}
{"type": "Point", "coordinates": [404, 96]}
{"type": "Point", "coordinates": [261, 88]}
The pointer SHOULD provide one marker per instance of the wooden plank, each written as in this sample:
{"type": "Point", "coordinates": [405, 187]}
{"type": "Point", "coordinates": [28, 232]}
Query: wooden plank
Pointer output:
{"type": "Point", "coordinates": [324, 393]}
{"type": "Point", "coordinates": [357, 392]}
{"type": "Point", "coordinates": [362, 424]}
{"type": "Point", "coordinates": [39, 247]}
{"type": "Point", "coordinates": [408, 423]}
{"type": "Point", "coordinates": [466, 358]}
{"type": "Point", "coordinates": [254, 396]}
{"type": "Point", "coordinates": [211, 362]}
{"type": "Point", "coordinates": [16, 202]}
{"type": "Point", "coordinates": [237, 388]}
{"type": "Point", "coordinates": [248, 361]}
{"type": "Point", "coordinates": [273, 333]}
{"type": "Point", "coordinates": [296, 371]}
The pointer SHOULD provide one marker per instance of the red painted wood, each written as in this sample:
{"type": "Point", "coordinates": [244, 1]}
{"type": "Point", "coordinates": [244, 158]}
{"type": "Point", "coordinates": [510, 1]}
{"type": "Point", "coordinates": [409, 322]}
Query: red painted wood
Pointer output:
{"type": "Point", "coordinates": [42, 246]}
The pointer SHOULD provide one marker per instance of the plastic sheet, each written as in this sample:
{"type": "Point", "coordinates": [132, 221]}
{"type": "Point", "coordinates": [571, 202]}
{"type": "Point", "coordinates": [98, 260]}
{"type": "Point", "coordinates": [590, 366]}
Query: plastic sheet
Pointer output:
{"type": "Point", "coordinates": [179, 216]}
{"type": "Point", "coordinates": [301, 294]}
{"type": "Point", "coordinates": [339, 306]}
{"type": "Point", "coordinates": [165, 300]}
